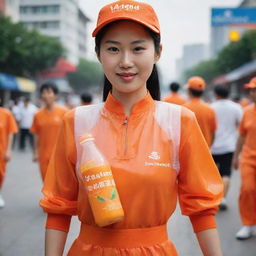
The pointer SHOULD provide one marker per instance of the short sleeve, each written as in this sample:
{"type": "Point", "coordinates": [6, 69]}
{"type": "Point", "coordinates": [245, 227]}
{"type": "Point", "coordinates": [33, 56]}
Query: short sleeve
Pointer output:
{"type": "Point", "coordinates": [199, 184]}
{"type": "Point", "coordinates": [12, 125]}
{"type": "Point", "coordinates": [35, 128]}
{"type": "Point", "coordinates": [61, 185]}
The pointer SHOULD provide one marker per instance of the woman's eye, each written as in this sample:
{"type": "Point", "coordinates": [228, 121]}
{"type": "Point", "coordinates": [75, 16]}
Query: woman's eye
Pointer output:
{"type": "Point", "coordinates": [138, 49]}
{"type": "Point", "coordinates": [113, 49]}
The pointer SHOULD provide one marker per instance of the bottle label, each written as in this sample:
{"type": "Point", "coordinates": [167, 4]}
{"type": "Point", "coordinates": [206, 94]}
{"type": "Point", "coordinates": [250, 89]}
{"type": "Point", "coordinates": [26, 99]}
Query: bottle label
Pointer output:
{"type": "Point", "coordinates": [102, 193]}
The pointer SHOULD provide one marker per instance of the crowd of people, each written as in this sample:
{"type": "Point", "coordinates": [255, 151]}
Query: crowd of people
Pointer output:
{"type": "Point", "coordinates": [177, 147]}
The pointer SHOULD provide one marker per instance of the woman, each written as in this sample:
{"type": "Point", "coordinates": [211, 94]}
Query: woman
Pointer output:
{"type": "Point", "coordinates": [245, 159]}
{"type": "Point", "coordinates": [155, 149]}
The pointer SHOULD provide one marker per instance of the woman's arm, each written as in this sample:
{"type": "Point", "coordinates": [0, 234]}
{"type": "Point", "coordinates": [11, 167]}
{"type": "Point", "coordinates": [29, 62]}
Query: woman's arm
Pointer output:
{"type": "Point", "coordinates": [9, 148]}
{"type": "Point", "coordinates": [54, 242]}
{"type": "Point", "coordinates": [239, 146]}
{"type": "Point", "coordinates": [209, 242]}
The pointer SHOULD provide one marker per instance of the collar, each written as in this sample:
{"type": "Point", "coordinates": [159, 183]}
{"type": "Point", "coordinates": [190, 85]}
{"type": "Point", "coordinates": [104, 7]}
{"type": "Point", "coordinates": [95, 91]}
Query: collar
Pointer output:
{"type": "Point", "coordinates": [194, 99]}
{"type": "Point", "coordinates": [142, 106]}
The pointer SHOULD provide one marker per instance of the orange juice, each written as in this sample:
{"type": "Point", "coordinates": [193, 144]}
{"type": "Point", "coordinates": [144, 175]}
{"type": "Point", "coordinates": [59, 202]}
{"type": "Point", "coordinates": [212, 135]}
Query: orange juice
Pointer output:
{"type": "Point", "coordinates": [101, 189]}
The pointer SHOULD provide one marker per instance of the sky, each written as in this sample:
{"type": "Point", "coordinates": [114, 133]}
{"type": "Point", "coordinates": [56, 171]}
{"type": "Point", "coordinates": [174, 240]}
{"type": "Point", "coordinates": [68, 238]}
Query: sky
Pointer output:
{"type": "Point", "coordinates": [182, 22]}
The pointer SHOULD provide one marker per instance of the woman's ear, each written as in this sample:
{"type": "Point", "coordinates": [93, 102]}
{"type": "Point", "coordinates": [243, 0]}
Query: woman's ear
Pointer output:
{"type": "Point", "coordinates": [158, 54]}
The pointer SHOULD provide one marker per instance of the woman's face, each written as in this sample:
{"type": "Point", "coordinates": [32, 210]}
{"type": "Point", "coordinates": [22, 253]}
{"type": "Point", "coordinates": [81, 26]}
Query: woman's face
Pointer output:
{"type": "Point", "coordinates": [127, 54]}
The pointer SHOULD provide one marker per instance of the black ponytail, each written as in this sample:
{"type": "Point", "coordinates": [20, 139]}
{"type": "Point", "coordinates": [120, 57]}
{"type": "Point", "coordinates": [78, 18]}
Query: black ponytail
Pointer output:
{"type": "Point", "coordinates": [153, 85]}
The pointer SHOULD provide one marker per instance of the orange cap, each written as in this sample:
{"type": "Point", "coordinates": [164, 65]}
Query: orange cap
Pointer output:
{"type": "Point", "coordinates": [127, 10]}
{"type": "Point", "coordinates": [196, 83]}
{"type": "Point", "coordinates": [251, 84]}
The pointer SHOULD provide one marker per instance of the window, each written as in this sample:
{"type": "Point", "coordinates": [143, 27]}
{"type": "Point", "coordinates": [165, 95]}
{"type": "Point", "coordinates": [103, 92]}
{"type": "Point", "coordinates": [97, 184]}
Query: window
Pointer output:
{"type": "Point", "coordinates": [41, 9]}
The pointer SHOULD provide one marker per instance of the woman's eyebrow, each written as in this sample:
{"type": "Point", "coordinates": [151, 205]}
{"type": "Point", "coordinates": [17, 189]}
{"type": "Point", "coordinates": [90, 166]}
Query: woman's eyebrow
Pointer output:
{"type": "Point", "coordinates": [138, 42]}
{"type": "Point", "coordinates": [112, 42]}
{"type": "Point", "coordinates": [116, 42]}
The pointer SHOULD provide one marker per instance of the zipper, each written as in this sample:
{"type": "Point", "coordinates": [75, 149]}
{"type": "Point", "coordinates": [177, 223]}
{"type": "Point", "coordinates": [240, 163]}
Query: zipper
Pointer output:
{"type": "Point", "coordinates": [125, 135]}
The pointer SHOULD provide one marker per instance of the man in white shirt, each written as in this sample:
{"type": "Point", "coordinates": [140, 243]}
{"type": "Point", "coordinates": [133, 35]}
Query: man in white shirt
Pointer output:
{"type": "Point", "coordinates": [229, 115]}
{"type": "Point", "coordinates": [27, 112]}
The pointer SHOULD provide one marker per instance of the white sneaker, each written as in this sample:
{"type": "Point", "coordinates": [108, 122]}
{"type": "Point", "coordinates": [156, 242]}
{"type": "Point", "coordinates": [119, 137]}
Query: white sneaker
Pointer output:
{"type": "Point", "coordinates": [245, 232]}
{"type": "Point", "coordinates": [2, 203]}
{"type": "Point", "coordinates": [223, 205]}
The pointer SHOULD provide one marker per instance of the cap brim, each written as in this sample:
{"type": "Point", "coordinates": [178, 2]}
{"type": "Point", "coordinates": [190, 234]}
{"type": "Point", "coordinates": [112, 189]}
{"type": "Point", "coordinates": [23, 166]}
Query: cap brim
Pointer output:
{"type": "Point", "coordinates": [97, 29]}
{"type": "Point", "coordinates": [250, 86]}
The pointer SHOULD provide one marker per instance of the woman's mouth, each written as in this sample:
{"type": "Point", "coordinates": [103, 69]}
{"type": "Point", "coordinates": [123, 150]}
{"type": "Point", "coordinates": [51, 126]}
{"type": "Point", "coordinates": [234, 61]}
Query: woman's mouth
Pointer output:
{"type": "Point", "coordinates": [127, 77]}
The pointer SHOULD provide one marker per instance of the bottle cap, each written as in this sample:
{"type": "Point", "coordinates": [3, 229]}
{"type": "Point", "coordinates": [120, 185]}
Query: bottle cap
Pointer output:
{"type": "Point", "coordinates": [85, 137]}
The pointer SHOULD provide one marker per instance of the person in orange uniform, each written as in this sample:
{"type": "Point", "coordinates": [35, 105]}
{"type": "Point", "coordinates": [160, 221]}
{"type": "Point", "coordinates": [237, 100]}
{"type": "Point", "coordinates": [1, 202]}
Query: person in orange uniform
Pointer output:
{"type": "Point", "coordinates": [8, 127]}
{"type": "Point", "coordinates": [155, 149]}
{"type": "Point", "coordinates": [174, 97]}
{"type": "Point", "coordinates": [46, 125]}
{"type": "Point", "coordinates": [205, 114]}
{"type": "Point", "coordinates": [246, 145]}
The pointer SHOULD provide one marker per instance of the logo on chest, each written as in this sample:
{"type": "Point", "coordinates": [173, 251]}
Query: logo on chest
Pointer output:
{"type": "Point", "coordinates": [155, 156]}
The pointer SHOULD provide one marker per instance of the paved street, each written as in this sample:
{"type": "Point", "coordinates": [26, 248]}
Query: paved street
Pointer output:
{"type": "Point", "coordinates": [22, 221]}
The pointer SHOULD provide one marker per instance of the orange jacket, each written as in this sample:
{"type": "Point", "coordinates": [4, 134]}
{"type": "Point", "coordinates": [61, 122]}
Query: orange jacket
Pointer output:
{"type": "Point", "coordinates": [46, 125]}
{"type": "Point", "coordinates": [175, 98]}
{"type": "Point", "coordinates": [247, 128]}
{"type": "Point", "coordinates": [144, 164]}
{"type": "Point", "coordinates": [205, 116]}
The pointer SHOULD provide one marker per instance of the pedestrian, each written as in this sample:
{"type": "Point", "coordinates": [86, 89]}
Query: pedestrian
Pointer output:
{"type": "Point", "coordinates": [229, 115]}
{"type": "Point", "coordinates": [86, 99]}
{"type": "Point", "coordinates": [245, 158]}
{"type": "Point", "coordinates": [8, 127]}
{"type": "Point", "coordinates": [141, 138]}
{"type": "Point", "coordinates": [175, 97]}
{"type": "Point", "coordinates": [205, 114]}
{"type": "Point", "coordinates": [46, 125]}
{"type": "Point", "coordinates": [27, 112]}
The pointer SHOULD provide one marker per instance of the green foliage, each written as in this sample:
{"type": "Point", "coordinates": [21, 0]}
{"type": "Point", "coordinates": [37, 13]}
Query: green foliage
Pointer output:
{"type": "Point", "coordinates": [232, 56]}
{"type": "Point", "coordinates": [206, 69]}
{"type": "Point", "coordinates": [24, 52]}
{"type": "Point", "coordinates": [88, 74]}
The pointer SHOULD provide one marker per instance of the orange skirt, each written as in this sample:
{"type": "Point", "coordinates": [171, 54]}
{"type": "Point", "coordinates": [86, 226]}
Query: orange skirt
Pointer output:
{"type": "Point", "coordinates": [95, 241]}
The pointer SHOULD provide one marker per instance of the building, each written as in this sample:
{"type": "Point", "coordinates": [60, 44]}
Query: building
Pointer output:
{"type": "Point", "coordinates": [10, 8]}
{"type": "Point", "coordinates": [192, 55]}
{"type": "Point", "coordinates": [60, 19]}
{"type": "Point", "coordinates": [228, 21]}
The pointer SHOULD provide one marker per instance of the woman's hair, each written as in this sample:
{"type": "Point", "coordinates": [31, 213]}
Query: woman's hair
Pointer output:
{"type": "Point", "coordinates": [153, 85]}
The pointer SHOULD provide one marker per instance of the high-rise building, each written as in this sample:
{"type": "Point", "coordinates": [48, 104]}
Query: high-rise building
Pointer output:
{"type": "Point", "coordinates": [192, 55]}
{"type": "Point", "coordinates": [60, 19]}
{"type": "Point", "coordinates": [10, 8]}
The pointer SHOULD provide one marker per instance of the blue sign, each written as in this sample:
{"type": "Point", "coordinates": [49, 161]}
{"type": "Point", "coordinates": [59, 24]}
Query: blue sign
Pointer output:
{"type": "Point", "coordinates": [8, 82]}
{"type": "Point", "coordinates": [233, 16]}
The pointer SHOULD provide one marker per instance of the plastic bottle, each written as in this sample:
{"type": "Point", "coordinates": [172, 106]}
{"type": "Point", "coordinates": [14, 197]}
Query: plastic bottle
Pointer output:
{"type": "Point", "coordinates": [102, 192]}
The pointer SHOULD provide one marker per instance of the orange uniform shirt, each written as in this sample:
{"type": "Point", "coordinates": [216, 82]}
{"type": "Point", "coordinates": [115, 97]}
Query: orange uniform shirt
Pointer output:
{"type": "Point", "coordinates": [175, 98]}
{"type": "Point", "coordinates": [7, 126]}
{"type": "Point", "coordinates": [205, 116]}
{"type": "Point", "coordinates": [247, 128]}
{"type": "Point", "coordinates": [140, 154]}
{"type": "Point", "coordinates": [46, 125]}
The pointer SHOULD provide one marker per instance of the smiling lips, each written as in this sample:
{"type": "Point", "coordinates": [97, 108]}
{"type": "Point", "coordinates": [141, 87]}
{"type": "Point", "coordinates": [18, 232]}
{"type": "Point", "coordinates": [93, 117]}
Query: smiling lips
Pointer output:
{"type": "Point", "coordinates": [127, 77]}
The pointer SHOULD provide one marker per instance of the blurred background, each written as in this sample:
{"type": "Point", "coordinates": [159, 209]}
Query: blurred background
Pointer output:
{"type": "Point", "coordinates": [50, 40]}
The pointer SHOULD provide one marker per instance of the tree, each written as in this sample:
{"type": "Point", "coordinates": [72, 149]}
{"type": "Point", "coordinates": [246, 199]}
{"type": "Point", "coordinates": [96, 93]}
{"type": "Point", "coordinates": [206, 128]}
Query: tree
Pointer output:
{"type": "Point", "coordinates": [232, 56]}
{"type": "Point", "coordinates": [207, 69]}
{"type": "Point", "coordinates": [25, 52]}
{"type": "Point", "coordinates": [88, 74]}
